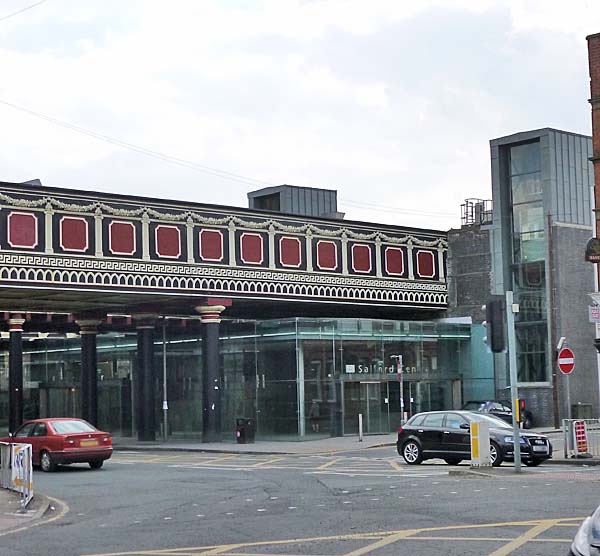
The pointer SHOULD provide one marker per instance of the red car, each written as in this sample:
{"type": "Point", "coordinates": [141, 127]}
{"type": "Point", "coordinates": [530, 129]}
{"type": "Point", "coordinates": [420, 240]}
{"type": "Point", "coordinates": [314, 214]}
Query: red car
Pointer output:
{"type": "Point", "coordinates": [63, 440]}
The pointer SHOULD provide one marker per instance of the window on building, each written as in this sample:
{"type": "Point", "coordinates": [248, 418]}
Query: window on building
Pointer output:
{"type": "Point", "coordinates": [529, 254]}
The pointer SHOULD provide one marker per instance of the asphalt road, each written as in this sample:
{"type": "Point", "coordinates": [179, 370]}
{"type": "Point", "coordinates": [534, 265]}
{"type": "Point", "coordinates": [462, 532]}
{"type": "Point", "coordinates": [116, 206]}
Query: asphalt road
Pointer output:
{"type": "Point", "coordinates": [329, 505]}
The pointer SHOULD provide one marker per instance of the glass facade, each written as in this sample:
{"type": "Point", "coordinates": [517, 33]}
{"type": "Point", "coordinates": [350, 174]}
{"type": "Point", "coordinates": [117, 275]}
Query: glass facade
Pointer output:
{"type": "Point", "coordinates": [295, 378]}
{"type": "Point", "coordinates": [528, 268]}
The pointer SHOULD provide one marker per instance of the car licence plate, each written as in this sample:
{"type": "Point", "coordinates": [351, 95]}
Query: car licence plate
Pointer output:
{"type": "Point", "coordinates": [86, 443]}
{"type": "Point", "coordinates": [543, 449]}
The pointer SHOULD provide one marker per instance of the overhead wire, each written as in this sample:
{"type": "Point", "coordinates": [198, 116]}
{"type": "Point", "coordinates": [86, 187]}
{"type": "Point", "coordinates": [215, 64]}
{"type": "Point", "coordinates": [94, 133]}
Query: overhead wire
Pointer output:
{"type": "Point", "coordinates": [200, 167]}
{"type": "Point", "coordinates": [373, 206]}
{"type": "Point", "coordinates": [141, 150]}
{"type": "Point", "coordinates": [3, 18]}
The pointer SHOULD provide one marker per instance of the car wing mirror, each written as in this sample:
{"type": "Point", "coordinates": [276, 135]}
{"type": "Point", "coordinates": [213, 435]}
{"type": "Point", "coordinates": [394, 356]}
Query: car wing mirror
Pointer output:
{"type": "Point", "coordinates": [465, 426]}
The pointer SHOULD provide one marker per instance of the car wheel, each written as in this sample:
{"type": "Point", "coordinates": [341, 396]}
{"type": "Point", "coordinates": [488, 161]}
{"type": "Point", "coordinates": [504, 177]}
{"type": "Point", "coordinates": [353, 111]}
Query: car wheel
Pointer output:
{"type": "Point", "coordinates": [452, 461]}
{"type": "Point", "coordinates": [412, 453]}
{"type": "Point", "coordinates": [495, 454]}
{"type": "Point", "coordinates": [528, 423]}
{"type": "Point", "coordinates": [533, 462]}
{"type": "Point", "coordinates": [96, 464]}
{"type": "Point", "coordinates": [46, 462]}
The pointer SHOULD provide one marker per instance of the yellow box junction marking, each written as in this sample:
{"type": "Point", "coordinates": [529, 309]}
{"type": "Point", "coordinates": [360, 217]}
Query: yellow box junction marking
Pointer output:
{"type": "Point", "coordinates": [381, 539]}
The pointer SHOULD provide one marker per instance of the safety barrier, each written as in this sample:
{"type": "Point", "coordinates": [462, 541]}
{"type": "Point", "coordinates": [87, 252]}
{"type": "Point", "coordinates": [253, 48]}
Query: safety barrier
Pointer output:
{"type": "Point", "coordinates": [16, 470]}
{"type": "Point", "coordinates": [581, 438]}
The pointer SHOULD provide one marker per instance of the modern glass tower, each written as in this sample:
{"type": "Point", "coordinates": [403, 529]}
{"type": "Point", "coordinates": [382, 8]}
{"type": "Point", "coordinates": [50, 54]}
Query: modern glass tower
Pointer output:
{"type": "Point", "coordinates": [542, 192]}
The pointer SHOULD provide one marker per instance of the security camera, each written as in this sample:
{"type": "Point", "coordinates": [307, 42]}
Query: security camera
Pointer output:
{"type": "Point", "coordinates": [561, 343]}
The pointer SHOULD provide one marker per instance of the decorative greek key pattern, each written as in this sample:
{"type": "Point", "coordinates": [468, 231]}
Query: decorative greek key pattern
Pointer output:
{"type": "Point", "coordinates": [23, 270]}
{"type": "Point", "coordinates": [44, 262]}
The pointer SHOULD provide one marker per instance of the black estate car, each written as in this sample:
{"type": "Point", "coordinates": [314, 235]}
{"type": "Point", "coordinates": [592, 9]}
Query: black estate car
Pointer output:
{"type": "Point", "coordinates": [446, 435]}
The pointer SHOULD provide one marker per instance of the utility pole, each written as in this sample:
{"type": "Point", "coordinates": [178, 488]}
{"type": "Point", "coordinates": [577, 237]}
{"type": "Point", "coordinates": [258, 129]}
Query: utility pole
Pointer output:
{"type": "Point", "coordinates": [511, 309]}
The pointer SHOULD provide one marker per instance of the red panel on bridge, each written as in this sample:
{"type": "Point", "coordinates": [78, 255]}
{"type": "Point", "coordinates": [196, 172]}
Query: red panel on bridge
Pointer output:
{"type": "Point", "coordinates": [425, 264]}
{"type": "Point", "coordinates": [168, 241]}
{"type": "Point", "coordinates": [73, 234]}
{"type": "Point", "coordinates": [361, 258]}
{"type": "Point", "coordinates": [289, 251]}
{"type": "Point", "coordinates": [121, 238]}
{"type": "Point", "coordinates": [22, 230]}
{"type": "Point", "coordinates": [211, 245]}
{"type": "Point", "coordinates": [327, 255]}
{"type": "Point", "coordinates": [252, 248]}
{"type": "Point", "coordinates": [394, 260]}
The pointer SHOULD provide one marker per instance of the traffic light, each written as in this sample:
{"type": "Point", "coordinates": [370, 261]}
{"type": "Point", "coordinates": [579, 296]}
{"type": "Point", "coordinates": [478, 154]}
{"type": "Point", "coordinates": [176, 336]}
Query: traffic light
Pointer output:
{"type": "Point", "coordinates": [494, 323]}
{"type": "Point", "coordinates": [520, 410]}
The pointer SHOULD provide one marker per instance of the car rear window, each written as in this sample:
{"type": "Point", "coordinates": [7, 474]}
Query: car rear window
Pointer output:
{"type": "Point", "coordinates": [68, 427]}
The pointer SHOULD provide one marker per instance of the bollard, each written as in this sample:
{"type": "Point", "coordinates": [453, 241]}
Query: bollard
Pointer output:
{"type": "Point", "coordinates": [480, 444]}
{"type": "Point", "coordinates": [360, 428]}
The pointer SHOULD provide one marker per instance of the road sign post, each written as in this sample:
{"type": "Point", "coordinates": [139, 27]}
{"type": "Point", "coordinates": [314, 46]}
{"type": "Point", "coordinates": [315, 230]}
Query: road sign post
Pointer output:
{"type": "Point", "coordinates": [566, 365]}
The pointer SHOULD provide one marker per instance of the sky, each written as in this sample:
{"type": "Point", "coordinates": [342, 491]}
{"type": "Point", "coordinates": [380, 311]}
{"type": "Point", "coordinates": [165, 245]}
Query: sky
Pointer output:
{"type": "Point", "coordinates": [391, 103]}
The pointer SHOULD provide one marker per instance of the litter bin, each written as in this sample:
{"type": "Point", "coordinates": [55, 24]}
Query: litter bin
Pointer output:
{"type": "Point", "coordinates": [581, 411]}
{"type": "Point", "coordinates": [244, 430]}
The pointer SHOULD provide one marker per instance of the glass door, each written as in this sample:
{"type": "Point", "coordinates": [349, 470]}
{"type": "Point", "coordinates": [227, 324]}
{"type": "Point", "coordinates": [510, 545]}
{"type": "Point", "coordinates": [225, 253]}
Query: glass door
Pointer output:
{"type": "Point", "coordinates": [369, 399]}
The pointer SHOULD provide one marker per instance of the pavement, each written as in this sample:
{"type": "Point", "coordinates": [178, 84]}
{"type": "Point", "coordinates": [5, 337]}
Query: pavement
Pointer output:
{"type": "Point", "coordinates": [41, 508]}
{"type": "Point", "coordinates": [13, 519]}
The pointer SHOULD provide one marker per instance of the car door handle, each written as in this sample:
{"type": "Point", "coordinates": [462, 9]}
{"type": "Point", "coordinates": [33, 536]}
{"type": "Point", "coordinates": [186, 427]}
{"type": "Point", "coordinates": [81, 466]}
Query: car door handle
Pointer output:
{"type": "Point", "coordinates": [420, 430]}
{"type": "Point", "coordinates": [446, 432]}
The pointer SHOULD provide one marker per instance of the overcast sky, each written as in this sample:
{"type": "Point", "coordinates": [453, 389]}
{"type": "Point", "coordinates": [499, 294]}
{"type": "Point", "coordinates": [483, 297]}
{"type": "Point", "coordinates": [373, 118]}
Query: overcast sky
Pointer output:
{"type": "Point", "coordinates": [392, 103]}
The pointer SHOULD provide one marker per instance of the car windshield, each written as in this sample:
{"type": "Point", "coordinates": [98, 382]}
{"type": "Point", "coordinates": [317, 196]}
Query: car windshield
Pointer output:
{"type": "Point", "coordinates": [495, 422]}
{"type": "Point", "coordinates": [68, 427]}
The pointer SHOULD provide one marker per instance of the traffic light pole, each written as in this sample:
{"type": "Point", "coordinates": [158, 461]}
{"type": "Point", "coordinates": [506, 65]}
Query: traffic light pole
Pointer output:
{"type": "Point", "coordinates": [511, 309]}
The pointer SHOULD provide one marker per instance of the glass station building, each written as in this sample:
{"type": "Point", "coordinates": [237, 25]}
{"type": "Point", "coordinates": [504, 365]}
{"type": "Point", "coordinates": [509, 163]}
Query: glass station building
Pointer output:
{"type": "Point", "coordinates": [119, 308]}
{"type": "Point", "coordinates": [273, 371]}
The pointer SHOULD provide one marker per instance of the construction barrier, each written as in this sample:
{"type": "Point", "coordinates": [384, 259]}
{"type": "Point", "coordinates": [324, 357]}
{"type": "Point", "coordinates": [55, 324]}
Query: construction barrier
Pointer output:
{"type": "Point", "coordinates": [581, 438]}
{"type": "Point", "coordinates": [16, 470]}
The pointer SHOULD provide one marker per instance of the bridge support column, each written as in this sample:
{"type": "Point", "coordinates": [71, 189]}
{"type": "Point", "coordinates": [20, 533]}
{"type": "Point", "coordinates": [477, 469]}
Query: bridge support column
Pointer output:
{"type": "Point", "coordinates": [211, 376]}
{"type": "Point", "coordinates": [144, 383]}
{"type": "Point", "coordinates": [89, 370]}
{"type": "Point", "coordinates": [15, 372]}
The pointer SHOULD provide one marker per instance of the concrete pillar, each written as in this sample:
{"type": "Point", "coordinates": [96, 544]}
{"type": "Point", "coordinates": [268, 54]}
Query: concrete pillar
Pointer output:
{"type": "Point", "coordinates": [15, 372]}
{"type": "Point", "coordinates": [144, 384]}
{"type": "Point", "coordinates": [88, 330]}
{"type": "Point", "coordinates": [211, 375]}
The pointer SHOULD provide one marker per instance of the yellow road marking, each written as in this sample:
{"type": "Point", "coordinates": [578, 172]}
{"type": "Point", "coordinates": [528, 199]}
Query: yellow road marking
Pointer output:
{"type": "Point", "coordinates": [269, 461]}
{"type": "Point", "coordinates": [395, 465]}
{"type": "Point", "coordinates": [495, 539]}
{"type": "Point", "coordinates": [525, 538]}
{"type": "Point", "coordinates": [328, 464]}
{"type": "Point", "coordinates": [383, 539]}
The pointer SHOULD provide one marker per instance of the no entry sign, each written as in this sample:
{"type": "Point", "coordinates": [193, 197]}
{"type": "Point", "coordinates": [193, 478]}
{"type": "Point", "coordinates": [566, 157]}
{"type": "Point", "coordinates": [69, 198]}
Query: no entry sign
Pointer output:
{"type": "Point", "coordinates": [566, 361]}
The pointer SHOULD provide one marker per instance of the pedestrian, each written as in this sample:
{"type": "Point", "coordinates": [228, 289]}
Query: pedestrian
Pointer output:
{"type": "Point", "coordinates": [314, 415]}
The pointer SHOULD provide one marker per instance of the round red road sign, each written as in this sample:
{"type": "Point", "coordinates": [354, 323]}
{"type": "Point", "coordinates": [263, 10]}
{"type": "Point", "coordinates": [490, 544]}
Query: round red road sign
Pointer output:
{"type": "Point", "coordinates": [566, 361]}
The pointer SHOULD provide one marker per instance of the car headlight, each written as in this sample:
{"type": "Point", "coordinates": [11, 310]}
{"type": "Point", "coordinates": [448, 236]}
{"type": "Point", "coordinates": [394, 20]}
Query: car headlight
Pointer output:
{"type": "Point", "coordinates": [510, 440]}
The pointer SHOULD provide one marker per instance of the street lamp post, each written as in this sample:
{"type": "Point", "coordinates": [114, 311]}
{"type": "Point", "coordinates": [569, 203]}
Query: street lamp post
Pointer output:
{"type": "Point", "coordinates": [400, 375]}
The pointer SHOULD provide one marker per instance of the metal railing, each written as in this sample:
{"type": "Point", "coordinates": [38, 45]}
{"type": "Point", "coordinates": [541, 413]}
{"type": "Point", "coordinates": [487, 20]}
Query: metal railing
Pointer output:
{"type": "Point", "coordinates": [16, 470]}
{"type": "Point", "coordinates": [581, 438]}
